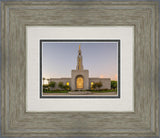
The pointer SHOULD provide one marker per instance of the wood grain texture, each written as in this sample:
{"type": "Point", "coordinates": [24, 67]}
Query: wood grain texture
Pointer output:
{"type": "Point", "coordinates": [142, 122]}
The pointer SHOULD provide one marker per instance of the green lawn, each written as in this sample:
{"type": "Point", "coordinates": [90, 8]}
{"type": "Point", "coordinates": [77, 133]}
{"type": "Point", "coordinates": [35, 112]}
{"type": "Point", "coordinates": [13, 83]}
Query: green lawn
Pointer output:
{"type": "Point", "coordinates": [102, 90]}
{"type": "Point", "coordinates": [57, 91]}
{"type": "Point", "coordinates": [66, 91]}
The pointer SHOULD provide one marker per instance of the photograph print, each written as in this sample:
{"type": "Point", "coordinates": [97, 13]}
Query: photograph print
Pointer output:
{"type": "Point", "coordinates": [79, 68]}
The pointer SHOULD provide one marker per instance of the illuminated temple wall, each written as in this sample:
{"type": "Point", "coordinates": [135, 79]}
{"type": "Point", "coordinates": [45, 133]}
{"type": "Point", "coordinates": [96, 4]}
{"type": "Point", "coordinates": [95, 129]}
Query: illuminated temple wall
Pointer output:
{"type": "Point", "coordinates": [106, 82]}
{"type": "Point", "coordinates": [57, 80]}
{"type": "Point", "coordinates": [80, 73]}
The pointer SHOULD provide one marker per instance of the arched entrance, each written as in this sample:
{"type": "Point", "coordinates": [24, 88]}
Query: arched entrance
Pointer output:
{"type": "Point", "coordinates": [79, 82]}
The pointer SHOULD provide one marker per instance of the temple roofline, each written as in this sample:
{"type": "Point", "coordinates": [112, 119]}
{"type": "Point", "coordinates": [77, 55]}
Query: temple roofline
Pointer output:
{"type": "Point", "coordinates": [59, 78]}
{"type": "Point", "coordinates": [98, 78]}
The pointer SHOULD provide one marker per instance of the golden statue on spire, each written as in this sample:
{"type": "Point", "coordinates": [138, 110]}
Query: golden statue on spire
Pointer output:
{"type": "Point", "coordinates": [79, 60]}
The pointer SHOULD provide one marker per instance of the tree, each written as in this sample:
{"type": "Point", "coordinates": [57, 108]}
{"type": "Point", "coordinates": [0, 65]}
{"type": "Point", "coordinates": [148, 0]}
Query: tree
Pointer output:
{"type": "Point", "coordinates": [52, 84]}
{"type": "Point", "coordinates": [99, 85]}
{"type": "Point", "coordinates": [113, 84]}
{"type": "Point", "coordinates": [43, 80]}
{"type": "Point", "coordinates": [60, 85]}
{"type": "Point", "coordinates": [45, 87]}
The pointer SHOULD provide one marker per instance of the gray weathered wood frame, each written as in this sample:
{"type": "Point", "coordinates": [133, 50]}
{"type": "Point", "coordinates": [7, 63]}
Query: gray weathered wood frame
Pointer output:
{"type": "Point", "coordinates": [142, 122]}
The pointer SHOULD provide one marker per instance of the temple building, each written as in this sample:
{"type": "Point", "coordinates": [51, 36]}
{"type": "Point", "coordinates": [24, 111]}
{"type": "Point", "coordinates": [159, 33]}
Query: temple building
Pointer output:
{"type": "Point", "coordinates": [80, 78]}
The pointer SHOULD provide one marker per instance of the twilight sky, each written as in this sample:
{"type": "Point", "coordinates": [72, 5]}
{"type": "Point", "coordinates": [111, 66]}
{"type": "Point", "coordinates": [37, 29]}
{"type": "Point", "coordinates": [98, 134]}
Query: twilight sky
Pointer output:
{"type": "Point", "coordinates": [100, 58]}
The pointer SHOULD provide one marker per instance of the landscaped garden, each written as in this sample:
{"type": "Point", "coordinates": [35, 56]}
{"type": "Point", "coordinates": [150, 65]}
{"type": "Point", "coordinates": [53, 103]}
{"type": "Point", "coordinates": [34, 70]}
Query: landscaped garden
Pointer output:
{"type": "Point", "coordinates": [96, 87]}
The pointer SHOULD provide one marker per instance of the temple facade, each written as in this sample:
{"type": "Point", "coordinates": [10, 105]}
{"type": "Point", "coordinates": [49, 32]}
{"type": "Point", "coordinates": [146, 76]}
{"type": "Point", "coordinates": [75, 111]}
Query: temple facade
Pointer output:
{"type": "Point", "coordinates": [80, 79]}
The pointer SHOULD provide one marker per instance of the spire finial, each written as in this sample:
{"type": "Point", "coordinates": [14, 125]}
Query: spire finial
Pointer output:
{"type": "Point", "coordinates": [79, 60]}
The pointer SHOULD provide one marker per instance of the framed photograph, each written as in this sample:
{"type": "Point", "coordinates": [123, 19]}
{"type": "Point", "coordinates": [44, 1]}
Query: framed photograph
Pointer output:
{"type": "Point", "coordinates": [80, 69]}
{"type": "Point", "coordinates": [63, 80]}
{"type": "Point", "coordinates": [101, 80]}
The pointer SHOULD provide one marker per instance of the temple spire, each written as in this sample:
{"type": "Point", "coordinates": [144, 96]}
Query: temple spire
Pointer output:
{"type": "Point", "coordinates": [79, 59]}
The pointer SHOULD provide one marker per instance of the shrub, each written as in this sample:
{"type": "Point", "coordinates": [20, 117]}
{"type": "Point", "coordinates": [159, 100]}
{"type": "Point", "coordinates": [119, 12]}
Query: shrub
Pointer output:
{"type": "Point", "coordinates": [99, 84]}
{"type": "Point", "coordinates": [60, 85]}
{"type": "Point", "coordinates": [94, 86]}
{"type": "Point", "coordinates": [66, 87]}
{"type": "Point", "coordinates": [113, 84]}
{"type": "Point", "coordinates": [52, 84]}
{"type": "Point", "coordinates": [45, 87]}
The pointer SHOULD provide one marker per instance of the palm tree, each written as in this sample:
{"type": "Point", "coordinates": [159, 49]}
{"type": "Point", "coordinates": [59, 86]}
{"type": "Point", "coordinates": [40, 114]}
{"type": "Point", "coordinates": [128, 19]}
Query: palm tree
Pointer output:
{"type": "Point", "coordinates": [43, 80]}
